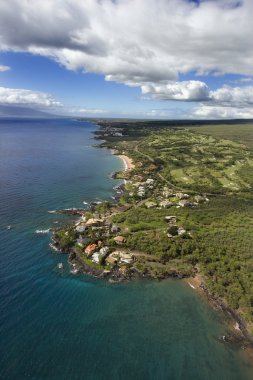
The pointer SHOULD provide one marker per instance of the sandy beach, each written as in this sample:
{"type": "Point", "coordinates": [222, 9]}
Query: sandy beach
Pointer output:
{"type": "Point", "coordinates": [128, 162]}
{"type": "Point", "coordinates": [195, 282]}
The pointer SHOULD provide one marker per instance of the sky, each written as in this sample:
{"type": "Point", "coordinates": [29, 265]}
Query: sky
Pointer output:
{"type": "Point", "coordinates": [159, 59]}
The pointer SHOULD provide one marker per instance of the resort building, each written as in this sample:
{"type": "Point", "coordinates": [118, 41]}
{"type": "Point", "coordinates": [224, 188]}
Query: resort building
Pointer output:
{"type": "Point", "coordinates": [119, 239]}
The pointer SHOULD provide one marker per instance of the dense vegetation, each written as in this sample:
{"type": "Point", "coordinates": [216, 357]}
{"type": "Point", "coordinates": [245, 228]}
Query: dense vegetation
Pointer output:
{"type": "Point", "coordinates": [214, 159]}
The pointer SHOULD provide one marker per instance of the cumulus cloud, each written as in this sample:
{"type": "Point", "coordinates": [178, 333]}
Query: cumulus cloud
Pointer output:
{"type": "Point", "coordinates": [4, 68]}
{"type": "Point", "coordinates": [221, 112]}
{"type": "Point", "coordinates": [186, 90]}
{"type": "Point", "coordinates": [144, 43]}
{"type": "Point", "coordinates": [12, 96]}
{"type": "Point", "coordinates": [133, 41]}
{"type": "Point", "coordinates": [198, 91]}
{"type": "Point", "coordinates": [231, 96]}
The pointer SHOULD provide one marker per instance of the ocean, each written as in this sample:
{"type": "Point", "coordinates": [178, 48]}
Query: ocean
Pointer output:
{"type": "Point", "coordinates": [56, 325]}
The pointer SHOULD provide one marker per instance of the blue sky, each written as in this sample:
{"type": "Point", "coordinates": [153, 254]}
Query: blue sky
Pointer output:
{"type": "Point", "coordinates": [130, 58]}
{"type": "Point", "coordinates": [73, 88]}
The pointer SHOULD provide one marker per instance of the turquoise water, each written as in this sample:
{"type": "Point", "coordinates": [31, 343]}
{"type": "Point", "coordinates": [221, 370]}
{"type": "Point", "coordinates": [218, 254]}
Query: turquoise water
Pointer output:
{"type": "Point", "coordinates": [55, 325]}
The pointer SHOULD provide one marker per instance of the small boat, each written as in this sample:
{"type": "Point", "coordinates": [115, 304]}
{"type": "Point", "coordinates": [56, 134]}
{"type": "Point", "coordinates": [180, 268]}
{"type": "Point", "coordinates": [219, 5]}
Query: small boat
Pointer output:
{"type": "Point", "coordinates": [42, 231]}
{"type": "Point", "coordinates": [60, 265]}
{"type": "Point", "coordinates": [85, 203]}
{"type": "Point", "coordinates": [9, 228]}
{"type": "Point", "coordinates": [52, 211]}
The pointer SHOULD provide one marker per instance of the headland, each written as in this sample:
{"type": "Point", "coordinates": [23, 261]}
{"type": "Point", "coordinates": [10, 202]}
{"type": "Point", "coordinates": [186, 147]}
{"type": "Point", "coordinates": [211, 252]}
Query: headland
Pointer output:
{"type": "Point", "coordinates": [184, 192]}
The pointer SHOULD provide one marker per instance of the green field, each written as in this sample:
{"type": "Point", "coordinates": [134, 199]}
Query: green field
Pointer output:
{"type": "Point", "coordinates": [241, 133]}
{"type": "Point", "coordinates": [198, 162]}
{"type": "Point", "coordinates": [216, 159]}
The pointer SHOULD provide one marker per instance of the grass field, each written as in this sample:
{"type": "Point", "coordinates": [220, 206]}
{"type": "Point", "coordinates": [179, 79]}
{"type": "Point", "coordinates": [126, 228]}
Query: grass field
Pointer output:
{"type": "Point", "coordinates": [201, 162]}
{"type": "Point", "coordinates": [241, 133]}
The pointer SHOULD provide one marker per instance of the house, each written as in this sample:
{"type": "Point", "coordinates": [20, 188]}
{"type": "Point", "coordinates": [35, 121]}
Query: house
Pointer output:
{"type": "Point", "coordinates": [81, 228]}
{"type": "Point", "coordinates": [166, 204]}
{"type": "Point", "coordinates": [167, 192]}
{"type": "Point", "coordinates": [119, 239]}
{"type": "Point", "coordinates": [107, 223]}
{"type": "Point", "coordinates": [94, 228]}
{"type": "Point", "coordinates": [181, 231]}
{"type": "Point", "coordinates": [200, 198]}
{"type": "Point", "coordinates": [171, 219]}
{"type": "Point", "coordinates": [93, 222]}
{"type": "Point", "coordinates": [185, 203]}
{"type": "Point", "coordinates": [95, 257]}
{"type": "Point", "coordinates": [150, 182]}
{"type": "Point", "coordinates": [90, 249]}
{"type": "Point", "coordinates": [112, 259]}
{"type": "Point", "coordinates": [126, 257]}
{"type": "Point", "coordinates": [82, 240]}
{"type": "Point", "coordinates": [117, 134]}
{"type": "Point", "coordinates": [137, 184]}
{"type": "Point", "coordinates": [150, 204]}
{"type": "Point", "coordinates": [182, 196]}
{"type": "Point", "coordinates": [115, 229]}
{"type": "Point", "coordinates": [103, 251]}
{"type": "Point", "coordinates": [141, 193]}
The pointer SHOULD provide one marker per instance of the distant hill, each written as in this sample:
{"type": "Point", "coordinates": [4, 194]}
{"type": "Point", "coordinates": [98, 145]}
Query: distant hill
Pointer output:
{"type": "Point", "coordinates": [16, 111]}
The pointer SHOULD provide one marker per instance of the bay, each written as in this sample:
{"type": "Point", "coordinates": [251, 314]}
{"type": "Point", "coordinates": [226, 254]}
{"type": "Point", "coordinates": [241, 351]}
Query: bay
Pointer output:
{"type": "Point", "coordinates": [54, 325]}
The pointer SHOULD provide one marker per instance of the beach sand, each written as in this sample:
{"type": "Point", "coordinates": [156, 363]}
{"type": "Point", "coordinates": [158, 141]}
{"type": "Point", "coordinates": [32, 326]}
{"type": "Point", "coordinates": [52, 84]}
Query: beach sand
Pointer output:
{"type": "Point", "coordinates": [195, 282]}
{"type": "Point", "coordinates": [128, 162]}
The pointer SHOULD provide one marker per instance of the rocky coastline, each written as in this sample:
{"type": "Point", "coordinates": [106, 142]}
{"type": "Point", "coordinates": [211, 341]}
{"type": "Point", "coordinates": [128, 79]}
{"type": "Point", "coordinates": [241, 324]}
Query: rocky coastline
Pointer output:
{"type": "Point", "coordinates": [115, 274]}
{"type": "Point", "coordinates": [237, 332]}
{"type": "Point", "coordinates": [119, 273]}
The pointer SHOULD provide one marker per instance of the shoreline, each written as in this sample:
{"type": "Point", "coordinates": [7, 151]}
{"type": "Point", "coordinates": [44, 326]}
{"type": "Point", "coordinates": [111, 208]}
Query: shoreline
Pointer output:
{"type": "Point", "coordinates": [238, 332]}
{"type": "Point", "coordinates": [236, 324]}
{"type": "Point", "coordinates": [127, 161]}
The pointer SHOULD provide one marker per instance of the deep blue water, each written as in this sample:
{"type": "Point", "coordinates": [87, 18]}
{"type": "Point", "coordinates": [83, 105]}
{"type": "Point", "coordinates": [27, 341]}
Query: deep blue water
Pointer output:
{"type": "Point", "coordinates": [55, 325]}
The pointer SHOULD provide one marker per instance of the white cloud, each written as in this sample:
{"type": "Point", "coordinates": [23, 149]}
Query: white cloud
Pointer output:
{"type": "Point", "coordinates": [93, 111]}
{"type": "Point", "coordinates": [199, 91]}
{"type": "Point", "coordinates": [145, 43]}
{"type": "Point", "coordinates": [221, 112]}
{"type": "Point", "coordinates": [173, 113]}
{"type": "Point", "coordinates": [233, 95]}
{"type": "Point", "coordinates": [186, 90]}
{"type": "Point", "coordinates": [133, 41]}
{"type": "Point", "coordinates": [4, 68]}
{"type": "Point", "coordinates": [245, 80]}
{"type": "Point", "coordinates": [12, 96]}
